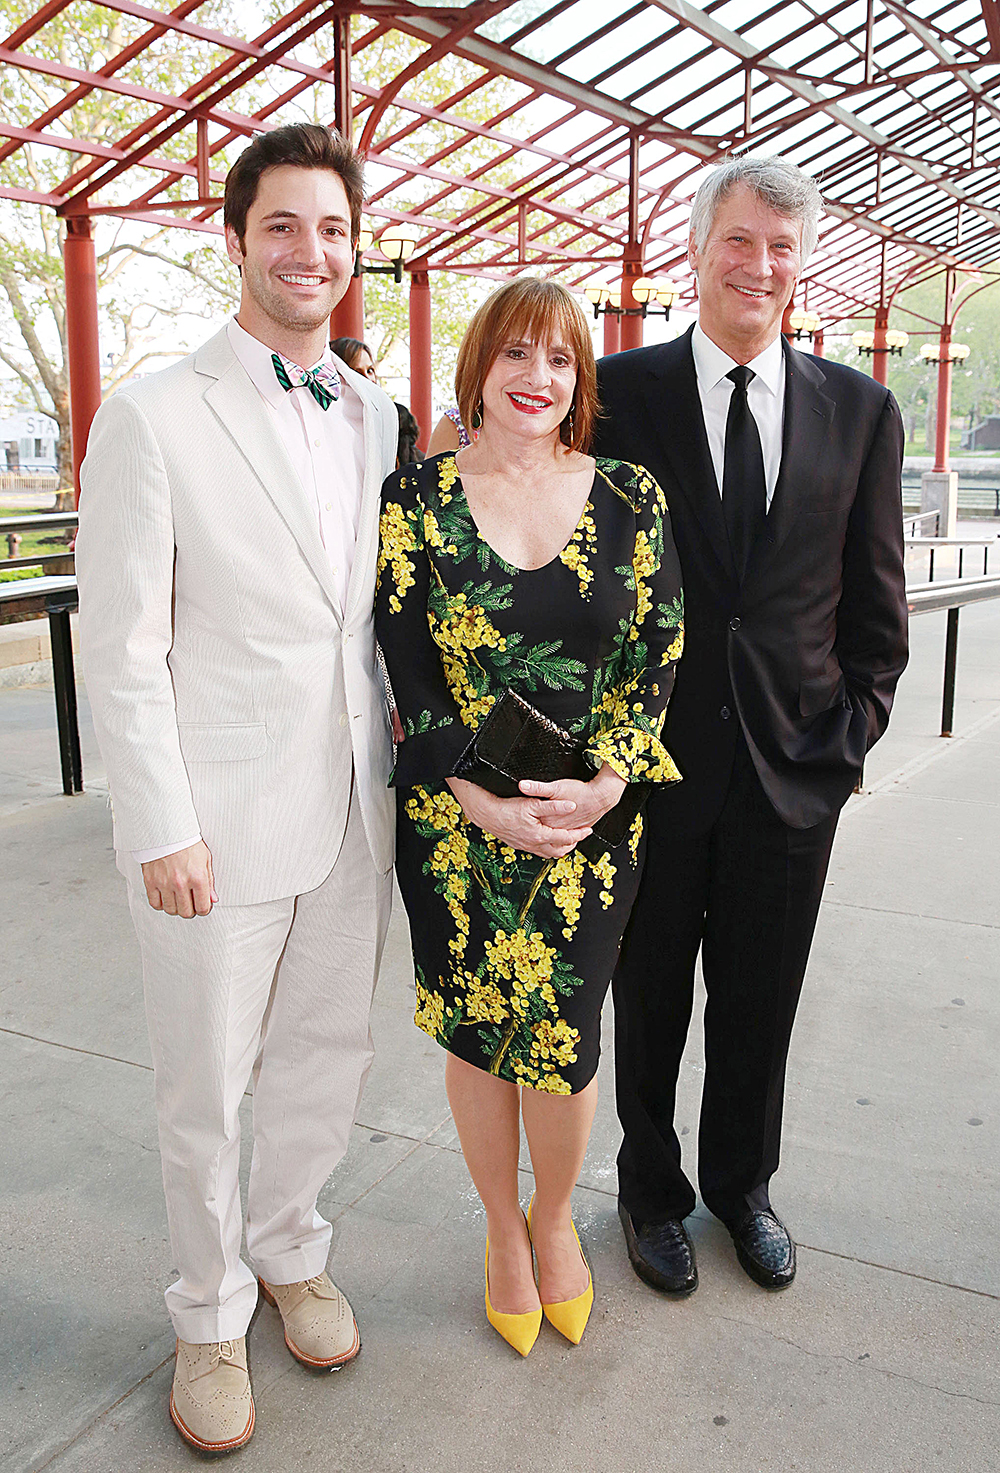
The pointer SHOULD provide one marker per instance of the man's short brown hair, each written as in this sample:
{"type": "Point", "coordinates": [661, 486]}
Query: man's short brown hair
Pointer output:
{"type": "Point", "coordinates": [529, 311]}
{"type": "Point", "coordinates": [303, 146]}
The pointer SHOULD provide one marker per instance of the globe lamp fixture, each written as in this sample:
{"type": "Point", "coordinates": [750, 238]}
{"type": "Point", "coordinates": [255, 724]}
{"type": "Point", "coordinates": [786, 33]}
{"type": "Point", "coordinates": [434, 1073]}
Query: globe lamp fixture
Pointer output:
{"type": "Point", "coordinates": [649, 296]}
{"type": "Point", "coordinates": [396, 243]}
{"type": "Point", "coordinates": [947, 352]}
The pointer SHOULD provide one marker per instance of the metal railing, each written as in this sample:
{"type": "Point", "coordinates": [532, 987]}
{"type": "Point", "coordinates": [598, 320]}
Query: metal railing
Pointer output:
{"type": "Point", "coordinates": [13, 527]}
{"type": "Point", "coordinates": [58, 598]}
{"type": "Point", "coordinates": [930, 544]}
{"type": "Point", "coordinates": [928, 598]}
{"type": "Point", "coordinates": [29, 481]}
{"type": "Point", "coordinates": [922, 520]}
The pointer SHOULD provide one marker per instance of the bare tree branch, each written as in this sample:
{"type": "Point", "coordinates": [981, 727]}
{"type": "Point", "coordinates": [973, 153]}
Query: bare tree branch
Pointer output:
{"type": "Point", "coordinates": [113, 383]}
{"type": "Point", "coordinates": [25, 322]}
{"type": "Point", "coordinates": [194, 271]}
{"type": "Point", "coordinates": [30, 382]}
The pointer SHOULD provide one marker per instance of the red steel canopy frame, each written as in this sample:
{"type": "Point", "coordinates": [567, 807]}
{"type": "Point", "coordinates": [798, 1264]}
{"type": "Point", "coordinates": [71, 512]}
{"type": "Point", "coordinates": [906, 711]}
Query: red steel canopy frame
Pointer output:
{"type": "Point", "coordinates": [610, 111]}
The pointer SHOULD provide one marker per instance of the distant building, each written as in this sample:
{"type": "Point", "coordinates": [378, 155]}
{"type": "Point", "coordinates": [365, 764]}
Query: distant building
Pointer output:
{"type": "Point", "coordinates": [30, 443]}
{"type": "Point", "coordinates": [983, 436]}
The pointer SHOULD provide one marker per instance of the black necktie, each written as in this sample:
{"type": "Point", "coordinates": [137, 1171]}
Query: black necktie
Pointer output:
{"type": "Point", "coordinates": [744, 492]}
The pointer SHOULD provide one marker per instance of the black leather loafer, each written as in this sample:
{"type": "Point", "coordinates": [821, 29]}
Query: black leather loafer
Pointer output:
{"type": "Point", "coordinates": [662, 1254]}
{"type": "Point", "coordinates": [765, 1249]}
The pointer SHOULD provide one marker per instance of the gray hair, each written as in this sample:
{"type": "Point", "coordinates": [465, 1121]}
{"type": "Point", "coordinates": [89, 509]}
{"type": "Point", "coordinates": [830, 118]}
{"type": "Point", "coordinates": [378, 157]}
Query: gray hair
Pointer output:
{"type": "Point", "coordinates": [774, 181]}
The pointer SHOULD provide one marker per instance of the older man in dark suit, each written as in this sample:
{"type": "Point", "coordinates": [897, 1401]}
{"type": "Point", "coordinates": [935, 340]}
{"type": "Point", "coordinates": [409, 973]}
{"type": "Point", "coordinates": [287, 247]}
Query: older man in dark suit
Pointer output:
{"type": "Point", "coordinates": [782, 472]}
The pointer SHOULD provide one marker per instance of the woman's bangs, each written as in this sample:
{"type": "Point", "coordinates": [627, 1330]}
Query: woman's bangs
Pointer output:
{"type": "Point", "coordinates": [541, 318]}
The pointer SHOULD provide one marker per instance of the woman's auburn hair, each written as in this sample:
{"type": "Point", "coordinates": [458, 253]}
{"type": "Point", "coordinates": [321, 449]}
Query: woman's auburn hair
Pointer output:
{"type": "Point", "coordinates": [529, 311]}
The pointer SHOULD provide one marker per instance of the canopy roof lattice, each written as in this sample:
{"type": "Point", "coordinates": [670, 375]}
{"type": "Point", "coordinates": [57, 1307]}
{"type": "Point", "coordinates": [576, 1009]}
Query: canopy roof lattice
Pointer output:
{"type": "Point", "coordinates": [611, 108]}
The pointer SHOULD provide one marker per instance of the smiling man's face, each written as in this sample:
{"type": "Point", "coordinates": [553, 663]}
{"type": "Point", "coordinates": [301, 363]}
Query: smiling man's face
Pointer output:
{"type": "Point", "coordinates": [296, 257]}
{"type": "Point", "coordinates": [747, 270]}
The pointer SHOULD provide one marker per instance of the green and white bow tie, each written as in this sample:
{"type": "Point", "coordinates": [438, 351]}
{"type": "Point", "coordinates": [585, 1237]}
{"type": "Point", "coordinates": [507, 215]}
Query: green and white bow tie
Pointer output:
{"type": "Point", "coordinates": [323, 382]}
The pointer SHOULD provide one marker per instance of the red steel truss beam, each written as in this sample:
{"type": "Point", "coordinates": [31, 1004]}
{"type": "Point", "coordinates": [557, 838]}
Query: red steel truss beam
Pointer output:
{"type": "Point", "coordinates": [991, 15]}
{"type": "Point", "coordinates": [115, 64]}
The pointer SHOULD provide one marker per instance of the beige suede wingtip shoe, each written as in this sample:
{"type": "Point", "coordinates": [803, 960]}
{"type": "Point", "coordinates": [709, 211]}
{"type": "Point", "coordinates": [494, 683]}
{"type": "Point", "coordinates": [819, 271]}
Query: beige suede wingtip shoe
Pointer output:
{"type": "Point", "coordinates": [211, 1404]}
{"type": "Point", "coordinates": [320, 1328]}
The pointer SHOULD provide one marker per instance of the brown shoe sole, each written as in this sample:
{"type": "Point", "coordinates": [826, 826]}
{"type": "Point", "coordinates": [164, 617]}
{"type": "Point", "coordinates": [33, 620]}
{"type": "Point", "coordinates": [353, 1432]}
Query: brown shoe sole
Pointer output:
{"type": "Point", "coordinates": [308, 1360]}
{"type": "Point", "coordinates": [212, 1447]}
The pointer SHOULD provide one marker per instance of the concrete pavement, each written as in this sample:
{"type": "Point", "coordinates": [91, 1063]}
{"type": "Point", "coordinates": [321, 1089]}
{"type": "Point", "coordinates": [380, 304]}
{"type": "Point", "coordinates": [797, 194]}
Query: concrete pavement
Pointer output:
{"type": "Point", "coordinates": [882, 1358]}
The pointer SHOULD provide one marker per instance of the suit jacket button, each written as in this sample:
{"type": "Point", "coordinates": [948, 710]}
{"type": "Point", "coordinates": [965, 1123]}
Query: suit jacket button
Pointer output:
{"type": "Point", "coordinates": [725, 713]}
{"type": "Point", "coordinates": [734, 622]}
{"type": "Point", "coordinates": [343, 718]}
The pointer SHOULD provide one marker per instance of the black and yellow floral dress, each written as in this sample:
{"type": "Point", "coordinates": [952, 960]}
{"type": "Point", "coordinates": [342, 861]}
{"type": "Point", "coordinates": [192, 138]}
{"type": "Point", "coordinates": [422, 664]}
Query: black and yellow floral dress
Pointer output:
{"type": "Point", "coordinates": [513, 954]}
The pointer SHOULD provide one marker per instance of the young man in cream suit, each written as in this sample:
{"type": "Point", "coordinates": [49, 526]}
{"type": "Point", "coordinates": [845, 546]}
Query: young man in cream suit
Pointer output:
{"type": "Point", "coordinates": [226, 560]}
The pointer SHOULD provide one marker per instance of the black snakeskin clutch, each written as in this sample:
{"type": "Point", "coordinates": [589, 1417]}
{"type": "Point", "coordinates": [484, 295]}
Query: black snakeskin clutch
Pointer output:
{"type": "Point", "coordinates": [516, 742]}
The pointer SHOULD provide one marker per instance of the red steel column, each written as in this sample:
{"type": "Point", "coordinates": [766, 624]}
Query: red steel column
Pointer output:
{"type": "Point", "coordinates": [421, 389]}
{"type": "Point", "coordinates": [631, 321]}
{"type": "Point", "coordinates": [942, 461]}
{"type": "Point", "coordinates": [787, 330]}
{"type": "Point", "coordinates": [348, 317]}
{"type": "Point", "coordinates": [880, 353]}
{"type": "Point", "coordinates": [818, 344]}
{"type": "Point", "coordinates": [82, 336]}
{"type": "Point", "coordinates": [612, 333]}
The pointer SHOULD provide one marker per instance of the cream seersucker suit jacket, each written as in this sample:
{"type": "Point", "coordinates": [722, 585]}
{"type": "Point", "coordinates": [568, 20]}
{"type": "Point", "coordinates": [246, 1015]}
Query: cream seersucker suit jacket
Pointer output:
{"type": "Point", "coordinates": [230, 697]}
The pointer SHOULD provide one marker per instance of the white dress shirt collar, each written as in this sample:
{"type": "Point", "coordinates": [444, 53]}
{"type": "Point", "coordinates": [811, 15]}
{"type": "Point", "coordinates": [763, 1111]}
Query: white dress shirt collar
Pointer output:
{"type": "Point", "coordinates": [765, 396]}
{"type": "Point", "coordinates": [255, 357]}
{"type": "Point", "coordinates": [712, 364]}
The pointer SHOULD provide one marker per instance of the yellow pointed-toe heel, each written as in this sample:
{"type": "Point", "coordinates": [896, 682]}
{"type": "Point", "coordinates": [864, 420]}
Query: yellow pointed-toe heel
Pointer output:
{"type": "Point", "coordinates": [570, 1316]}
{"type": "Point", "coordinates": [519, 1330]}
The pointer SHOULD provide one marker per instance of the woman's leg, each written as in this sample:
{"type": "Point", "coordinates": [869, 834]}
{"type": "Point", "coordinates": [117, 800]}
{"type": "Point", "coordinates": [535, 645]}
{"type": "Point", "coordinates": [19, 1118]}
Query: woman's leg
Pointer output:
{"type": "Point", "coordinates": [486, 1115]}
{"type": "Point", "coordinates": [558, 1129]}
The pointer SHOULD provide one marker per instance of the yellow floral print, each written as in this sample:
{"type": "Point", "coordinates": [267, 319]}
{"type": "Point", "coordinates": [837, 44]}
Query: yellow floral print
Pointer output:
{"type": "Point", "coordinates": [395, 541]}
{"type": "Point", "coordinates": [432, 534]}
{"type": "Point", "coordinates": [447, 475]}
{"type": "Point", "coordinates": [605, 872]}
{"type": "Point", "coordinates": [430, 1012]}
{"type": "Point", "coordinates": [566, 880]}
{"type": "Point", "coordinates": [644, 565]}
{"type": "Point", "coordinates": [580, 548]}
{"type": "Point", "coordinates": [674, 651]}
{"type": "Point", "coordinates": [464, 630]}
{"type": "Point", "coordinates": [555, 1042]}
{"type": "Point", "coordinates": [507, 973]}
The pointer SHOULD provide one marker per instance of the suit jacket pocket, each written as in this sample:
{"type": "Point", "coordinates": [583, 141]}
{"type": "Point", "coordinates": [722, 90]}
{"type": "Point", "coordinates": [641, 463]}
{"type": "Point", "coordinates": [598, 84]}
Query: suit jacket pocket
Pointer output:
{"type": "Point", "coordinates": [234, 743]}
{"type": "Point", "coordinates": [820, 693]}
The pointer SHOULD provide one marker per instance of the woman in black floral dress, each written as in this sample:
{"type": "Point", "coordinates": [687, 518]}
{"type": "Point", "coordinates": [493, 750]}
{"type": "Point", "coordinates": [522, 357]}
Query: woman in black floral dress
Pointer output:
{"type": "Point", "coordinates": [521, 564]}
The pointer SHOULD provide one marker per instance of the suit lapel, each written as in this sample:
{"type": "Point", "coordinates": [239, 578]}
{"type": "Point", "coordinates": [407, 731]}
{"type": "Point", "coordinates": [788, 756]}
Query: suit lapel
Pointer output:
{"type": "Point", "coordinates": [807, 418]}
{"type": "Point", "coordinates": [371, 496]}
{"type": "Point", "coordinates": [687, 452]}
{"type": "Point", "coordinates": [235, 403]}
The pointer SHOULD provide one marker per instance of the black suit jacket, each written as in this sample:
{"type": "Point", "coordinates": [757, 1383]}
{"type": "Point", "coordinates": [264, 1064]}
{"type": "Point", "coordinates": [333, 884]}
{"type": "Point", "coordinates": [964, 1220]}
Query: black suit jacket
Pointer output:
{"type": "Point", "coordinates": [805, 655]}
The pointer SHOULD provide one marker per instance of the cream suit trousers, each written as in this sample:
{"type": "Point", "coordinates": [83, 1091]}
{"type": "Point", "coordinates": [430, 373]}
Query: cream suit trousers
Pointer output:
{"type": "Point", "coordinates": [281, 991]}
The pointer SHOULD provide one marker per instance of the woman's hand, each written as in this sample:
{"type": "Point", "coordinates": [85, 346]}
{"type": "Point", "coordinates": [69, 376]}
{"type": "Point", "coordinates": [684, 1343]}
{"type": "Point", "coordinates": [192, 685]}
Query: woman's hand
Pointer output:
{"type": "Point", "coordinates": [548, 829]}
{"type": "Point", "coordinates": [590, 801]}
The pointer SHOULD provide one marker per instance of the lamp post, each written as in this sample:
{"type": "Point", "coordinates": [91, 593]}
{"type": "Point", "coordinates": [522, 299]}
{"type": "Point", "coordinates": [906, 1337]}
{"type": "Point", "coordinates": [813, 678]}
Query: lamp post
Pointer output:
{"type": "Point", "coordinates": [880, 345]}
{"type": "Point", "coordinates": [944, 353]}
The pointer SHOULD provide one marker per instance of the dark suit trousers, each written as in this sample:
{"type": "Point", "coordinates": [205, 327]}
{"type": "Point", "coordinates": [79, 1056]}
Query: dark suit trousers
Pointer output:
{"type": "Point", "coordinates": [747, 892]}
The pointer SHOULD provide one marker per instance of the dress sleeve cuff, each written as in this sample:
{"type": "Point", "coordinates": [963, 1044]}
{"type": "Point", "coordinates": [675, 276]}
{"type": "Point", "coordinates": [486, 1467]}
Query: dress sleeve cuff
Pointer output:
{"type": "Point", "coordinates": [429, 756]}
{"type": "Point", "coordinates": [635, 755]}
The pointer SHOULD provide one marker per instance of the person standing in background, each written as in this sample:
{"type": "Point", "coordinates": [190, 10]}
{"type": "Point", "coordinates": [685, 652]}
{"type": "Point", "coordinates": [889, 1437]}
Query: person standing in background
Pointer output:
{"type": "Point", "coordinates": [356, 355]}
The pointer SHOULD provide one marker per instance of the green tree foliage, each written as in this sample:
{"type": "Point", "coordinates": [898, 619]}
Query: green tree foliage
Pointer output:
{"type": "Point", "coordinates": [975, 384]}
{"type": "Point", "coordinates": [135, 302]}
